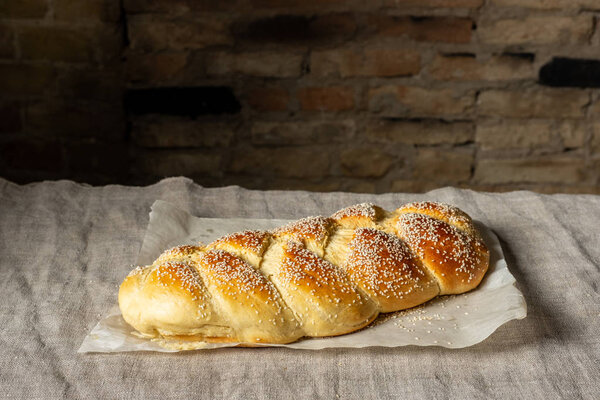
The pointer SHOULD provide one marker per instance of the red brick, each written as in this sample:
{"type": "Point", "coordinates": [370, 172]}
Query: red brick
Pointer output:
{"type": "Point", "coordinates": [334, 98]}
{"type": "Point", "coordinates": [394, 101]}
{"type": "Point", "coordinates": [10, 117]}
{"type": "Point", "coordinates": [154, 68]}
{"type": "Point", "coordinates": [56, 44]}
{"type": "Point", "coordinates": [152, 33]}
{"type": "Point", "coordinates": [537, 30]}
{"type": "Point", "coordinates": [467, 68]}
{"type": "Point", "coordinates": [268, 99]}
{"type": "Point", "coordinates": [23, 8]}
{"type": "Point", "coordinates": [77, 10]}
{"type": "Point", "coordinates": [31, 154]}
{"type": "Point", "coordinates": [428, 29]}
{"type": "Point", "coordinates": [532, 103]}
{"type": "Point", "coordinates": [365, 62]}
{"type": "Point", "coordinates": [434, 3]}
{"type": "Point", "coordinates": [24, 79]}
{"type": "Point", "coordinates": [7, 42]}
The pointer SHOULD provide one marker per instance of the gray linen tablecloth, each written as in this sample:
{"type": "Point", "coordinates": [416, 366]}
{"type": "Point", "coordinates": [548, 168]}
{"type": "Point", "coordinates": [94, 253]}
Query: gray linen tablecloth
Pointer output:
{"type": "Point", "coordinates": [65, 248]}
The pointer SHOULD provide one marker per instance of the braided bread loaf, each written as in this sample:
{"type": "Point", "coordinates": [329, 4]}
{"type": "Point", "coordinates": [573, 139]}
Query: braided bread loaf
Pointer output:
{"type": "Point", "coordinates": [317, 276]}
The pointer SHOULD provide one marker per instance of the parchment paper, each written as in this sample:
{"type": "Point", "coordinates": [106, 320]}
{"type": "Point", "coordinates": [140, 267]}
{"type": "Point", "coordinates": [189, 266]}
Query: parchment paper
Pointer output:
{"type": "Point", "coordinates": [447, 321]}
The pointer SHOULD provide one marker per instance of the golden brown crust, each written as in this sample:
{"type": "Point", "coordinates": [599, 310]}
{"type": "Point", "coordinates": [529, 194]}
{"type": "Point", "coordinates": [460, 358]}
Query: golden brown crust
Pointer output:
{"type": "Point", "coordinates": [179, 253]}
{"type": "Point", "coordinates": [384, 268]}
{"type": "Point", "coordinates": [167, 299]}
{"type": "Point", "coordinates": [316, 277]}
{"type": "Point", "coordinates": [361, 215]}
{"type": "Point", "coordinates": [313, 232]}
{"type": "Point", "coordinates": [445, 212]}
{"type": "Point", "coordinates": [326, 301]}
{"type": "Point", "coordinates": [248, 245]}
{"type": "Point", "coordinates": [253, 306]}
{"type": "Point", "coordinates": [457, 260]}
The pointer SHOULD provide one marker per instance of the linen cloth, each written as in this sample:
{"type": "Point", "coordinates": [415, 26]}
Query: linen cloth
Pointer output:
{"type": "Point", "coordinates": [65, 248]}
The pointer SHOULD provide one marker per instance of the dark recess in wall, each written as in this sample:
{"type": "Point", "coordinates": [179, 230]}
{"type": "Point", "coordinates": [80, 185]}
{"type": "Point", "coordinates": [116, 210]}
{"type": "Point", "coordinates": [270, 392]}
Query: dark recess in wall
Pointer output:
{"type": "Point", "coordinates": [188, 101]}
{"type": "Point", "coordinates": [570, 72]}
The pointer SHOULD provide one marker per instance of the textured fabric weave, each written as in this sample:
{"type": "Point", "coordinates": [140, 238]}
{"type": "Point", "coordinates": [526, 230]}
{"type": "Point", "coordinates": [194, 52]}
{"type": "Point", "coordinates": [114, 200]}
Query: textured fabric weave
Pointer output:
{"type": "Point", "coordinates": [65, 248]}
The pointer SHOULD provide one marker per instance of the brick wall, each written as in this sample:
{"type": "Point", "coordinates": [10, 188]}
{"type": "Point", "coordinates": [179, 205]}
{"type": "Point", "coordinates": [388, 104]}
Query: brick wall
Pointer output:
{"type": "Point", "coordinates": [61, 111]}
{"type": "Point", "coordinates": [373, 96]}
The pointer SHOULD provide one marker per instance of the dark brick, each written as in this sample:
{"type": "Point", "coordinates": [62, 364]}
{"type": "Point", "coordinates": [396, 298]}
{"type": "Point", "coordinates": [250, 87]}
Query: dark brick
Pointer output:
{"type": "Point", "coordinates": [179, 6]}
{"type": "Point", "coordinates": [332, 98]}
{"type": "Point", "coordinates": [56, 44]}
{"type": "Point", "coordinates": [23, 8]}
{"type": "Point", "coordinates": [7, 38]}
{"type": "Point", "coordinates": [296, 29]}
{"type": "Point", "coordinates": [91, 84]}
{"type": "Point", "coordinates": [29, 154]}
{"type": "Point", "coordinates": [570, 72]}
{"type": "Point", "coordinates": [24, 79]}
{"type": "Point", "coordinates": [75, 119]}
{"type": "Point", "coordinates": [281, 162]}
{"type": "Point", "coordinates": [158, 67]}
{"type": "Point", "coordinates": [268, 98]}
{"type": "Point", "coordinates": [99, 44]}
{"type": "Point", "coordinates": [433, 3]}
{"type": "Point", "coordinates": [77, 10]}
{"type": "Point", "coordinates": [189, 101]}
{"type": "Point", "coordinates": [10, 117]}
{"type": "Point", "coordinates": [295, 3]}
{"type": "Point", "coordinates": [174, 132]}
{"type": "Point", "coordinates": [95, 157]}
{"type": "Point", "coordinates": [430, 29]}
{"type": "Point", "coordinates": [192, 163]}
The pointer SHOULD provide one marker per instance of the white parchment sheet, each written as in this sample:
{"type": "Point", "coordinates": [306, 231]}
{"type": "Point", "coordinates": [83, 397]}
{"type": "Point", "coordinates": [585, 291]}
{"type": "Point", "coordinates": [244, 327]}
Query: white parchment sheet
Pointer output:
{"type": "Point", "coordinates": [447, 321]}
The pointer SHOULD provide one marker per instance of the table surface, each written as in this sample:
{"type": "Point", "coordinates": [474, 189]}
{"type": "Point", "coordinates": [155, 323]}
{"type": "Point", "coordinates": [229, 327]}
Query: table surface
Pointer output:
{"type": "Point", "coordinates": [65, 248]}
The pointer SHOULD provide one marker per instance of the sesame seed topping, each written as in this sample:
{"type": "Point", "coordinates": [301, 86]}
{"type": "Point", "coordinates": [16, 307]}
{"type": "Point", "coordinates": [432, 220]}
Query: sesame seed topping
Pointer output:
{"type": "Point", "coordinates": [382, 265]}
{"type": "Point", "coordinates": [249, 240]}
{"type": "Point", "coordinates": [365, 210]}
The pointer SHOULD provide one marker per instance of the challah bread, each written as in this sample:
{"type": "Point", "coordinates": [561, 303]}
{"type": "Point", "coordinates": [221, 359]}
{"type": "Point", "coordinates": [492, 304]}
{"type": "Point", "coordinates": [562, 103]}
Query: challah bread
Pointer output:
{"type": "Point", "coordinates": [318, 276]}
